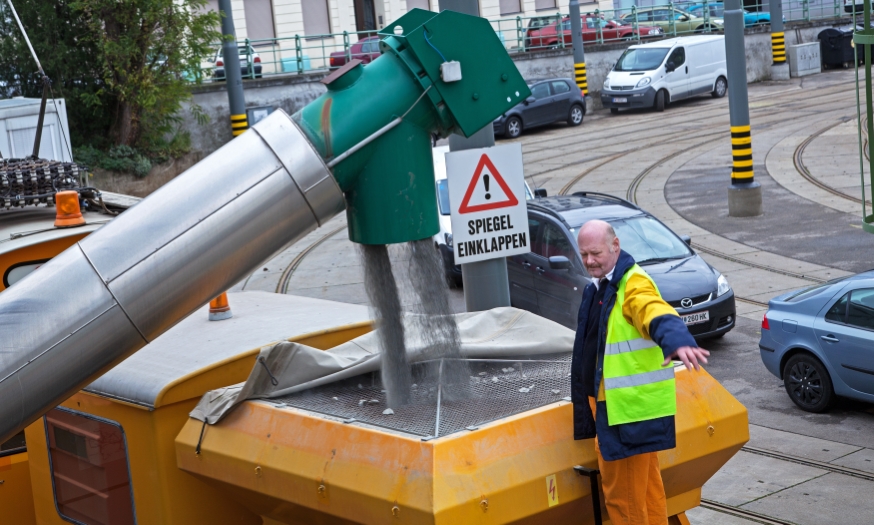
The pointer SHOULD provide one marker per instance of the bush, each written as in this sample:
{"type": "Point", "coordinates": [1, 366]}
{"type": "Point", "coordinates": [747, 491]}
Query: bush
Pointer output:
{"type": "Point", "coordinates": [124, 159]}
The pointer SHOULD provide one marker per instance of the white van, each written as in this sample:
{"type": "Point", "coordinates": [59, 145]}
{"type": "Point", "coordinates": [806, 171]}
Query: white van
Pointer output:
{"type": "Point", "coordinates": [443, 239]}
{"type": "Point", "coordinates": [658, 73]}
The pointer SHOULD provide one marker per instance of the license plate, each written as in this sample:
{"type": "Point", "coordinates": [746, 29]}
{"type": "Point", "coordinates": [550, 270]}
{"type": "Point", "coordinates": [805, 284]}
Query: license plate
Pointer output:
{"type": "Point", "coordinates": [622, 100]}
{"type": "Point", "coordinates": [697, 317]}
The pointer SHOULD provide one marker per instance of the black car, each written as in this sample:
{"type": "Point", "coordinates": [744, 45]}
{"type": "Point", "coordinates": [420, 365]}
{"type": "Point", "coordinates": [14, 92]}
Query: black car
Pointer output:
{"type": "Point", "coordinates": [551, 100]}
{"type": "Point", "coordinates": [550, 280]}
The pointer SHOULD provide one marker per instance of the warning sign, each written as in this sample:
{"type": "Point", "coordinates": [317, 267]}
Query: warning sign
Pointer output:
{"type": "Point", "coordinates": [491, 218]}
{"type": "Point", "coordinates": [551, 490]}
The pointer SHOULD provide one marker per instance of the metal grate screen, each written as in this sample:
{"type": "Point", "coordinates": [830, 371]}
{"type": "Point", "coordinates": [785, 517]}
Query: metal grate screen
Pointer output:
{"type": "Point", "coordinates": [499, 388]}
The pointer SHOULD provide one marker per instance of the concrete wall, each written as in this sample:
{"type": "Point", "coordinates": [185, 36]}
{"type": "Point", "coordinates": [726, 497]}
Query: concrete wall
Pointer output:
{"type": "Point", "coordinates": [292, 92]}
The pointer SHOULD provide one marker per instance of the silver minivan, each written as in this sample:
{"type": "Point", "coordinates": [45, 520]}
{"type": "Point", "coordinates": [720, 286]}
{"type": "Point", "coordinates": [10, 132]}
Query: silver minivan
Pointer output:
{"type": "Point", "coordinates": [656, 74]}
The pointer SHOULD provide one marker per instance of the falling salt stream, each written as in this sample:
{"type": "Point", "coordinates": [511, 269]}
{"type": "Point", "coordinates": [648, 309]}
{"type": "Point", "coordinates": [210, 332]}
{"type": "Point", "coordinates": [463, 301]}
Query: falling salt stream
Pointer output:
{"type": "Point", "coordinates": [436, 325]}
{"type": "Point", "coordinates": [382, 290]}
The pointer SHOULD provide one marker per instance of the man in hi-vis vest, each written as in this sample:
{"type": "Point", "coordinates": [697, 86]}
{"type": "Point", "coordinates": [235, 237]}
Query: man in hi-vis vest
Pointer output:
{"type": "Point", "coordinates": [622, 383]}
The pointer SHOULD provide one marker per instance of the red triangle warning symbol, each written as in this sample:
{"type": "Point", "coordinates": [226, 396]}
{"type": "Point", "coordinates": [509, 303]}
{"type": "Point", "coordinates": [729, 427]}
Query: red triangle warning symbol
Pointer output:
{"type": "Point", "coordinates": [510, 200]}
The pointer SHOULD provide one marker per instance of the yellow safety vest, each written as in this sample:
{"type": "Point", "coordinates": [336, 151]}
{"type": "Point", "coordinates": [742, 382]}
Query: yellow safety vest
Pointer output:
{"type": "Point", "coordinates": [636, 385]}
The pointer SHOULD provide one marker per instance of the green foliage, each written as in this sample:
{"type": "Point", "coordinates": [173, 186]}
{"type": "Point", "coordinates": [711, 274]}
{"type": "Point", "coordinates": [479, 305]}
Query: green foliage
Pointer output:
{"type": "Point", "coordinates": [124, 159]}
{"type": "Point", "coordinates": [122, 66]}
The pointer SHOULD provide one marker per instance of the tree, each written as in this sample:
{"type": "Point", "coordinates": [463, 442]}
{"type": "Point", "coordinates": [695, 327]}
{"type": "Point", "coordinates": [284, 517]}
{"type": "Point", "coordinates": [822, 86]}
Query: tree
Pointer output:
{"type": "Point", "coordinates": [56, 33]}
{"type": "Point", "coordinates": [122, 65]}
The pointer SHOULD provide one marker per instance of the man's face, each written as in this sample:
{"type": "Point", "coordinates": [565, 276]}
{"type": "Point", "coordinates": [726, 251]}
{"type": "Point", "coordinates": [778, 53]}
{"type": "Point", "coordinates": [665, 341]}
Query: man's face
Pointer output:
{"type": "Point", "coordinates": [599, 255]}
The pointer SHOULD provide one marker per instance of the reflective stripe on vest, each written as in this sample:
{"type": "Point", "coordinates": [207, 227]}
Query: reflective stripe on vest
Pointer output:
{"type": "Point", "coordinates": [637, 387]}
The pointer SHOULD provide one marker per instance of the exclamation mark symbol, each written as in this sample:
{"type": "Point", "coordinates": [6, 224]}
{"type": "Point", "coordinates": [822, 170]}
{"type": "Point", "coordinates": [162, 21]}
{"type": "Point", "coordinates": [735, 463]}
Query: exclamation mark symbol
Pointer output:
{"type": "Point", "coordinates": [486, 182]}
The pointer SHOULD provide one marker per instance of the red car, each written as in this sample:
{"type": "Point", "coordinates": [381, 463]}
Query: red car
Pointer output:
{"type": "Point", "coordinates": [547, 36]}
{"type": "Point", "coordinates": [366, 50]}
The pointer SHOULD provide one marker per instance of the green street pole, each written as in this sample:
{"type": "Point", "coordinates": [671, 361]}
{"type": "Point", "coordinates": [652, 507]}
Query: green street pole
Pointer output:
{"type": "Point", "coordinates": [744, 193]}
{"type": "Point", "coordinates": [486, 283]}
{"type": "Point", "coordinates": [233, 77]}
{"type": "Point", "coordinates": [577, 43]}
{"type": "Point", "coordinates": [779, 67]}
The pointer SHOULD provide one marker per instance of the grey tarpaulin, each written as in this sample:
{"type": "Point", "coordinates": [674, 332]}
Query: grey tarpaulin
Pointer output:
{"type": "Point", "coordinates": [501, 332]}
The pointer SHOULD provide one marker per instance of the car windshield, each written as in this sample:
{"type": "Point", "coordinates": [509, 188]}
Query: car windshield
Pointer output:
{"type": "Point", "coordinates": [443, 196]}
{"type": "Point", "coordinates": [648, 240]}
{"type": "Point", "coordinates": [641, 59]}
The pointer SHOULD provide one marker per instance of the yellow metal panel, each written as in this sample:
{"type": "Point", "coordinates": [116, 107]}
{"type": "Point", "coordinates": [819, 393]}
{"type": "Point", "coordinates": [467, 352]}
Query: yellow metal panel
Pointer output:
{"type": "Point", "coordinates": [16, 495]}
{"type": "Point", "coordinates": [37, 252]}
{"type": "Point", "coordinates": [292, 466]}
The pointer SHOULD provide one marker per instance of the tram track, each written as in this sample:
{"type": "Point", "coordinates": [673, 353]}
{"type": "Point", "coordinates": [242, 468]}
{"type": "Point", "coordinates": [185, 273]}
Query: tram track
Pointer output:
{"type": "Point", "coordinates": [285, 277]}
{"type": "Point", "coordinates": [804, 171]}
{"type": "Point", "coordinates": [743, 513]}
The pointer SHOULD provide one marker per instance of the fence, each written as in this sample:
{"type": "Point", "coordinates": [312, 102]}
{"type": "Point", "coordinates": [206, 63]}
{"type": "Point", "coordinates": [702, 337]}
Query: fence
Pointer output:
{"type": "Point", "coordinates": [304, 53]}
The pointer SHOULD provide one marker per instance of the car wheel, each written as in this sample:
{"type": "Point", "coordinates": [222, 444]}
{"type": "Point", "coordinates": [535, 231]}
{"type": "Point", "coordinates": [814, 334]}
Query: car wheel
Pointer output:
{"type": "Point", "coordinates": [660, 100]}
{"type": "Point", "coordinates": [614, 111]}
{"type": "Point", "coordinates": [575, 117]}
{"type": "Point", "coordinates": [513, 127]}
{"type": "Point", "coordinates": [808, 384]}
{"type": "Point", "coordinates": [720, 88]}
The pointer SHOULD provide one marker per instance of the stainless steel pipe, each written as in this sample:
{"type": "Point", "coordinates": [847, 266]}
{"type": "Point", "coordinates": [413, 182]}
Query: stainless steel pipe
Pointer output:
{"type": "Point", "coordinates": [133, 279]}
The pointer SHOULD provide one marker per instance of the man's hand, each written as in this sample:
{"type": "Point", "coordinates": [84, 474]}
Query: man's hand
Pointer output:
{"type": "Point", "coordinates": [689, 356]}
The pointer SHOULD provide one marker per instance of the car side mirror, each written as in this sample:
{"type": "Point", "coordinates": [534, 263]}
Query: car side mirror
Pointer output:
{"type": "Point", "coordinates": [540, 192]}
{"type": "Point", "coordinates": [684, 18]}
{"type": "Point", "coordinates": [559, 262]}
{"type": "Point", "coordinates": [529, 100]}
{"type": "Point", "coordinates": [686, 239]}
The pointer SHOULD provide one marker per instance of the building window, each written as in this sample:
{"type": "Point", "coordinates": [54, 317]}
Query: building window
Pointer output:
{"type": "Point", "coordinates": [89, 466]}
{"type": "Point", "coordinates": [510, 7]}
{"type": "Point", "coordinates": [315, 17]}
{"type": "Point", "coordinates": [259, 21]}
{"type": "Point", "coordinates": [419, 4]}
{"type": "Point", "coordinates": [544, 4]}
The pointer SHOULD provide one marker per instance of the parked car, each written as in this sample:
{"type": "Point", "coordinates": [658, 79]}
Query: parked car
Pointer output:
{"type": "Point", "coordinates": [551, 100]}
{"type": "Point", "coordinates": [683, 21]}
{"type": "Point", "coordinates": [534, 24]}
{"type": "Point", "coordinates": [366, 50]}
{"type": "Point", "coordinates": [658, 73]}
{"type": "Point", "coordinates": [550, 280]}
{"type": "Point", "coordinates": [849, 6]}
{"type": "Point", "coordinates": [717, 10]}
{"type": "Point", "coordinates": [443, 239]}
{"type": "Point", "coordinates": [592, 27]}
{"type": "Point", "coordinates": [250, 63]}
{"type": "Point", "coordinates": [819, 341]}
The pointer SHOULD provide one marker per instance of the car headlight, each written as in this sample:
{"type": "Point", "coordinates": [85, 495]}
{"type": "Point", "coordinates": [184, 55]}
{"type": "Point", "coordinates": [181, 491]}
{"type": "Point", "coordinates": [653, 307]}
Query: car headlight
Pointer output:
{"type": "Point", "coordinates": [654, 31]}
{"type": "Point", "coordinates": [717, 21]}
{"type": "Point", "coordinates": [643, 82]}
{"type": "Point", "coordinates": [448, 238]}
{"type": "Point", "coordinates": [722, 286]}
{"type": "Point", "coordinates": [607, 83]}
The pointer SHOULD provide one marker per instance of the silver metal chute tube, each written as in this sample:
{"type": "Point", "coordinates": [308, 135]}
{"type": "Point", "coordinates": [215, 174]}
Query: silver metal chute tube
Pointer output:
{"type": "Point", "coordinates": [127, 283]}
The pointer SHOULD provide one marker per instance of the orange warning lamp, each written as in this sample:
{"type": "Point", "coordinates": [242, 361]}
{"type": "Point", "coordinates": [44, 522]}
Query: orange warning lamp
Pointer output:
{"type": "Point", "coordinates": [219, 309]}
{"type": "Point", "coordinates": [68, 213]}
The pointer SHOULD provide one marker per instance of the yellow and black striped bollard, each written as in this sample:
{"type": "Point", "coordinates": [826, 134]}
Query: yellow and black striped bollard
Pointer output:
{"type": "Point", "coordinates": [778, 47]}
{"type": "Point", "coordinates": [239, 124]}
{"type": "Point", "coordinates": [580, 73]}
{"type": "Point", "coordinates": [742, 155]}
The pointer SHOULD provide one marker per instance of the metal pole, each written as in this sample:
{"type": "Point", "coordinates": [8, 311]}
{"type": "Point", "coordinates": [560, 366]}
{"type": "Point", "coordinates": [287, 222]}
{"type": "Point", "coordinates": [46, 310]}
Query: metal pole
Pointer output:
{"type": "Point", "coordinates": [779, 68]}
{"type": "Point", "coordinates": [233, 77]}
{"type": "Point", "coordinates": [577, 42]}
{"type": "Point", "coordinates": [486, 284]}
{"type": "Point", "coordinates": [744, 194]}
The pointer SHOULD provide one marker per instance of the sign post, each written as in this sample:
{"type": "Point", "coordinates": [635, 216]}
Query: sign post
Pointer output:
{"type": "Point", "coordinates": [487, 195]}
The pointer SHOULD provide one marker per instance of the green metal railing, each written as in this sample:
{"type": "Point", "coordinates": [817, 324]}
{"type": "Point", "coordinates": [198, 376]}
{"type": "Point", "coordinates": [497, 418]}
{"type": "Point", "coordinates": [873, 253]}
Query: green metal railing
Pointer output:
{"type": "Point", "coordinates": [864, 38]}
{"type": "Point", "coordinates": [520, 34]}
